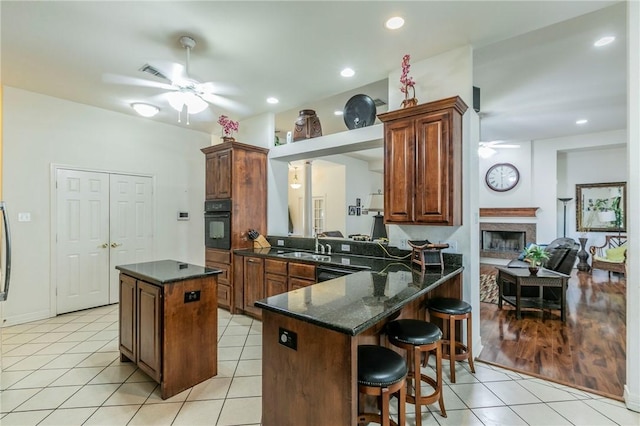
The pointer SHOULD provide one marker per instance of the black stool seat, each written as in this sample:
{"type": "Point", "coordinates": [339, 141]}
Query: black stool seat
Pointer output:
{"type": "Point", "coordinates": [413, 332]}
{"type": "Point", "coordinates": [379, 366]}
{"type": "Point", "coordinates": [449, 306]}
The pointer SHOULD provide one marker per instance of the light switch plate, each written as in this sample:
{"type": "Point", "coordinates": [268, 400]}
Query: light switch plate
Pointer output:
{"type": "Point", "coordinates": [24, 217]}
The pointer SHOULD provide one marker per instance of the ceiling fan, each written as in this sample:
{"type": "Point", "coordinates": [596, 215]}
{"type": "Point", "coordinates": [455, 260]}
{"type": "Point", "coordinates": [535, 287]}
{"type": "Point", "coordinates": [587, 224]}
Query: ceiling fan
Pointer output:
{"type": "Point", "coordinates": [487, 149]}
{"type": "Point", "coordinates": [186, 93]}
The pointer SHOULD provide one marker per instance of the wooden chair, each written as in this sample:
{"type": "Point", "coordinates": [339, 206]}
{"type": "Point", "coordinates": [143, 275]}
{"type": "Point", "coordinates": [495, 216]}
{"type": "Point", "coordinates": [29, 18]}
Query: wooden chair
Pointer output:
{"type": "Point", "coordinates": [611, 256]}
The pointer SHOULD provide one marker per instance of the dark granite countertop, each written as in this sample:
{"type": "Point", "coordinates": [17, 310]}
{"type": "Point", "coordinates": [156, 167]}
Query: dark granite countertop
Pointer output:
{"type": "Point", "coordinates": [352, 261]}
{"type": "Point", "coordinates": [166, 271]}
{"type": "Point", "coordinates": [355, 302]}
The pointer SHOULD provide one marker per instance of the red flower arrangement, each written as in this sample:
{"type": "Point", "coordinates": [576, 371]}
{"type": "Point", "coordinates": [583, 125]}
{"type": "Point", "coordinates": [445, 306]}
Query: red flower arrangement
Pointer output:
{"type": "Point", "coordinates": [228, 125]}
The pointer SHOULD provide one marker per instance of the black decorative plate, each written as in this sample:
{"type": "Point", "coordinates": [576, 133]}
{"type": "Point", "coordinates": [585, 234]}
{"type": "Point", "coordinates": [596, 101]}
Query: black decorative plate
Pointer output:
{"type": "Point", "coordinates": [359, 111]}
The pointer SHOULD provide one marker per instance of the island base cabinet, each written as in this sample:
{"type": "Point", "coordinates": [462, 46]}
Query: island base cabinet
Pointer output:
{"type": "Point", "coordinates": [170, 330]}
{"type": "Point", "coordinates": [324, 359]}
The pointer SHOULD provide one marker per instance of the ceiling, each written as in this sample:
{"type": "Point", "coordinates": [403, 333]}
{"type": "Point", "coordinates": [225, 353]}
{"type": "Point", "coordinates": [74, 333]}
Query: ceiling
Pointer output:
{"type": "Point", "coordinates": [537, 73]}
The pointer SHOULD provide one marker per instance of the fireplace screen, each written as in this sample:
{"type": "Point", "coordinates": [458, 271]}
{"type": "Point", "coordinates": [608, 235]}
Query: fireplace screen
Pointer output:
{"type": "Point", "coordinates": [503, 241]}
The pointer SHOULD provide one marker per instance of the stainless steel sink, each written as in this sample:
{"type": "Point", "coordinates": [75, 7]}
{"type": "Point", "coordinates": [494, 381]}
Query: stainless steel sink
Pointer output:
{"type": "Point", "coordinates": [306, 256]}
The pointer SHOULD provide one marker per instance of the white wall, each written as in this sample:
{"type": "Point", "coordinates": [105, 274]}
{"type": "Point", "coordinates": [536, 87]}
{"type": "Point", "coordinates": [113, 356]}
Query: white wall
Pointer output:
{"type": "Point", "coordinates": [632, 387]}
{"type": "Point", "coordinates": [39, 131]}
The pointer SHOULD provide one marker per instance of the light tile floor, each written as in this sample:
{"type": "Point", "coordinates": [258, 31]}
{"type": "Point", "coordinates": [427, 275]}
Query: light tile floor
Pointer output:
{"type": "Point", "coordinates": [66, 371]}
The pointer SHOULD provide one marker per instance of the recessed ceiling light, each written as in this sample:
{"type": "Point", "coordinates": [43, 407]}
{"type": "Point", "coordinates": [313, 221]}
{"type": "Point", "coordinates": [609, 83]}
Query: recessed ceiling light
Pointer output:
{"type": "Point", "coordinates": [394, 23]}
{"type": "Point", "coordinates": [604, 41]}
{"type": "Point", "coordinates": [338, 112]}
{"type": "Point", "coordinates": [145, 110]}
{"type": "Point", "coordinates": [582, 121]}
{"type": "Point", "coordinates": [347, 72]}
{"type": "Point", "coordinates": [272, 100]}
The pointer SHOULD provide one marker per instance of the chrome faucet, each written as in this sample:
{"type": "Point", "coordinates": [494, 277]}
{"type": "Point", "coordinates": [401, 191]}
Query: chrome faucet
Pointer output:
{"type": "Point", "coordinates": [328, 248]}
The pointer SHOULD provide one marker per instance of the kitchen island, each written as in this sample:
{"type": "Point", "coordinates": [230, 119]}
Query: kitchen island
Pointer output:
{"type": "Point", "coordinates": [169, 322]}
{"type": "Point", "coordinates": [310, 338]}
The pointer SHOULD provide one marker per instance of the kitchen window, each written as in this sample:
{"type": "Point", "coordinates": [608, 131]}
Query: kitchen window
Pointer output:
{"type": "Point", "coordinates": [318, 213]}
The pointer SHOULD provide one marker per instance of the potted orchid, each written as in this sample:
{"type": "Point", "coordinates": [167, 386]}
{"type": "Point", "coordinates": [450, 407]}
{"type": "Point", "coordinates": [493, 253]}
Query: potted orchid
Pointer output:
{"type": "Point", "coordinates": [228, 127]}
{"type": "Point", "coordinates": [407, 83]}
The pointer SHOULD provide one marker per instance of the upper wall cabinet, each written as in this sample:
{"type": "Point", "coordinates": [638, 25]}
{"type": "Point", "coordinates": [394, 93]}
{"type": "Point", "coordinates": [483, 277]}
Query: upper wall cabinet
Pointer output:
{"type": "Point", "coordinates": [423, 163]}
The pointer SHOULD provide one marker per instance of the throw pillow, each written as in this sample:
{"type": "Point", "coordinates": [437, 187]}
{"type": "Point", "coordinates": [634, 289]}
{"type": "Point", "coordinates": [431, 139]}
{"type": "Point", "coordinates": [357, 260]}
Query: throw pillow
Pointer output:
{"type": "Point", "coordinates": [616, 254]}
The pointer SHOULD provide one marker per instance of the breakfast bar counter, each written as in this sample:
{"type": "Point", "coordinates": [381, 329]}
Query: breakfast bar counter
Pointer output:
{"type": "Point", "coordinates": [310, 338]}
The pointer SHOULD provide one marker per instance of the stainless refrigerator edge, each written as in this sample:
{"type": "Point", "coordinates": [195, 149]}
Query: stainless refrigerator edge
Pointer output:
{"type": "Point", "coordinates": [5, 253]}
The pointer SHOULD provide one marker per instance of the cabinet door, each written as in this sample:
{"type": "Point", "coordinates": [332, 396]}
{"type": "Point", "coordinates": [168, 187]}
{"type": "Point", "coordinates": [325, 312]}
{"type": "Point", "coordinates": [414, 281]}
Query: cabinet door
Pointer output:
{"type": "Point", "coordinates": [296, 283]}
{"type": "Point", "coordinates": [253, 284]}
{"type": "Point", "coordinates": [128, 317]}
{"type": "Point", "coordinates": [433, 163]}
{"type": "Point", "coordinates": [149, 299]}
{"type": "Point", "coordinates": [218, 175]}
{"type": "Point", "coordinates": [399, 166]}
{"type": "Point", "coordinates": [275, 284]}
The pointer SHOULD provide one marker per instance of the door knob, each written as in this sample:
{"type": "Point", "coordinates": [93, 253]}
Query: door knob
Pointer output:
{"type": "Point", "coordinates": [105, 245]}
{"type": "Point", "coordinates": [114, 245]}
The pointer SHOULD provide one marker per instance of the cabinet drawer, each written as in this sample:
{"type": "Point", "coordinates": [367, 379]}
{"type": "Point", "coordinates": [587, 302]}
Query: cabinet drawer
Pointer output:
{"type": "Point", "coordinates": [224, 295]}
{"type": "Point", "coordinates": [302, 270]}
{"type": "Point", "coordinates": [275, 266]}
{"type": "Point", "coordinates": [223, 278]}
{"type": "Point", "coordinates": [220, 256]}
{"type": "Point", "coordinates": [296, 283]}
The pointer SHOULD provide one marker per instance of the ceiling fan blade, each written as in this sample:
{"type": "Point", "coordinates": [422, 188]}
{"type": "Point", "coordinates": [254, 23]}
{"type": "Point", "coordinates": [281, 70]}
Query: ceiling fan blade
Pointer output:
{"type": "Point", "coordinates": [225, 103]}
{"type": "Point", "coordinates": [134, 81]}
{"type": "Point", "coordinates": [171, 71]}
{"type": "Point", "coordinates": [217, 88]}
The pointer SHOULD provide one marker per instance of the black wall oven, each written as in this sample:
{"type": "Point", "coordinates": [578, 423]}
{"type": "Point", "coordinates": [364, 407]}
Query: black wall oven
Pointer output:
{"type": "Point", "coordinates": [217, 224]}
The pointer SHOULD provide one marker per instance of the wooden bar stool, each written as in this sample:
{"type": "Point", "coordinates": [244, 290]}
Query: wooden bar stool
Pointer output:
{"type": "Point", "coordinates": [381, 373]}
{"type": "Point", "coordinates": [450, 311]}
{"type": "Point", "coordinates": [417, 338]}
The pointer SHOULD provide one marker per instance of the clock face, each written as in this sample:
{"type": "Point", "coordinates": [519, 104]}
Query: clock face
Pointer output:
{"type": "Point", "coordinates": [502, 177]}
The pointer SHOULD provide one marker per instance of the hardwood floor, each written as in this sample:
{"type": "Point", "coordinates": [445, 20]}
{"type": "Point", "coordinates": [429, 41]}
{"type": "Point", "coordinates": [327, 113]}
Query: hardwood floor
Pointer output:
{"type": "Point", "coordinates": [587, 352]}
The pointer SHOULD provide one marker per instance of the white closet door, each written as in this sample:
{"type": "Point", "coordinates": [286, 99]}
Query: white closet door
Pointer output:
{"type": "Point", "coordinates": [131, 224]}
{"type": "Point", "coordinates": [82, 233]}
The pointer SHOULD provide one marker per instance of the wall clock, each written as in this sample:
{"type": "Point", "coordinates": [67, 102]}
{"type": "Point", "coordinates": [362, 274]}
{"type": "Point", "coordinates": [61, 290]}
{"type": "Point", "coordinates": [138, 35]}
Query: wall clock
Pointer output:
{"type": "Point", "coordinates": [502, 177]}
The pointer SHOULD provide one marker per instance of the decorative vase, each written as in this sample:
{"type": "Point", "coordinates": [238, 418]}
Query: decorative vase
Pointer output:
{"type": "Point", "coordinates": [228, 139]}
{"type": "Point", "coordinates": [409, 101]}
{"type": "Point", "coordinates": [583, 256]}
{"type": "Point", "coordinates": [533, 270]}
{"type": "Point", "coordinates": [307, 125]}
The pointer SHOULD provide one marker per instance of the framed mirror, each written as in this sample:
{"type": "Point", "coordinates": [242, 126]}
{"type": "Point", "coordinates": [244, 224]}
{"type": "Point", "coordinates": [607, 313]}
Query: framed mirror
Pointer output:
{"type": "Point", "coordinates": [601, 207]}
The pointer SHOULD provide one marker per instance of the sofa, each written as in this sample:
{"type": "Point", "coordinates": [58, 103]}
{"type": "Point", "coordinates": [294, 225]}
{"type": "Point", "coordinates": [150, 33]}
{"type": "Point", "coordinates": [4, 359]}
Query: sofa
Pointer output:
{"type": "Point", "coordinates": [562, 257]}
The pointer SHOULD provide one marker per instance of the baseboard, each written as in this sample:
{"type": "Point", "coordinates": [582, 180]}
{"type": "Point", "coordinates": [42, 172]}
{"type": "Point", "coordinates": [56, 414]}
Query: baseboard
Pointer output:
{"type": "Point", "coordinates": [21, 319]}
{"type": "Point", "coordinates": [632, 401]}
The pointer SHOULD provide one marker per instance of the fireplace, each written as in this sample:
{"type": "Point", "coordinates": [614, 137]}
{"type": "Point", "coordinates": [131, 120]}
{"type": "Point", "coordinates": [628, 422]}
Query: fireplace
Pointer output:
{"type": "Point", "coordinates": [505, 240]}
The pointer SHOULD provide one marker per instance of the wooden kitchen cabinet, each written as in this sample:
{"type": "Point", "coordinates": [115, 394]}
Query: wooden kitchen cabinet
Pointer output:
{"type": "Point", "coordinates": [238, 172]}
{"type": "Point", "coordinates": [221, 259]}
{"type": "Point", "coordinates": [264, 277]}
{"type": "Point", "coordinates": [301, 275]}
{"type": "Point", "coordinates": [218, 176]}
{"type": "Point", "coordinates": [423, 163]}
{"type": "Point", "coordinates": [171, 308]}
{"type": "Point", "coordinates": [253, 284]}
{"type": "Point", "coordinates": [275, 277]}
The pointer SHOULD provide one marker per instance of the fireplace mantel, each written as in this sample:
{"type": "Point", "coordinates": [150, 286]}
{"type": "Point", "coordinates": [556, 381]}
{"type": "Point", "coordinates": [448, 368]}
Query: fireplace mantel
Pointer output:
{"type": "Point", "coordinates": [508, 211]}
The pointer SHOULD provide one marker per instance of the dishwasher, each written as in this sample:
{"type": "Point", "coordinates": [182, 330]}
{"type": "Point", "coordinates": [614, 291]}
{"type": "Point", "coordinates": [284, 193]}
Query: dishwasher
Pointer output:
{"type": "Point", "coordinates": [326, 273]}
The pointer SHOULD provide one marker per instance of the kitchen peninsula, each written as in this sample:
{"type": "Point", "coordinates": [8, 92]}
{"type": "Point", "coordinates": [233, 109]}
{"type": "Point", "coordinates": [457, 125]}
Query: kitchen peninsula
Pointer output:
{"type": "Point", "coordinates": [166, 307]}
{"type": "Point", "coordinates": [310, 338]}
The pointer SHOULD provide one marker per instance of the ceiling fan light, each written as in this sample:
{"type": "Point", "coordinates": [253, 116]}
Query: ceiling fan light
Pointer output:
{"type": "Point", "coordinates": [195, 104]}
{"type": "Point", "coordinates": [176, 100]}
{"type": "Point", "coordinates": [145, 110]}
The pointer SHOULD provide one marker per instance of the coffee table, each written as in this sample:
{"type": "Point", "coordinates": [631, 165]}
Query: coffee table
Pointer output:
{"type": "Point", "coordinates": [521, 277]}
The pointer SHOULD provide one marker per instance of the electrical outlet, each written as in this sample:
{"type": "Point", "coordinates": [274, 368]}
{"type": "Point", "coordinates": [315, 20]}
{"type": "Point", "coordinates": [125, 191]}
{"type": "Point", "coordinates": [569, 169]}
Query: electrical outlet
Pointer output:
{"type": "Point", "coordinates": [280, 242]}
{"type": "Point", "coordinates": [345, 247]}
{"type": "Point", "coordinates": [288, 338]}
{"type": "Point", "coordinates": [453, 246]}
{"type": "Point", "coordinates": [24, 217]}
{"type": "Point", "coordinates": [403, 244]}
